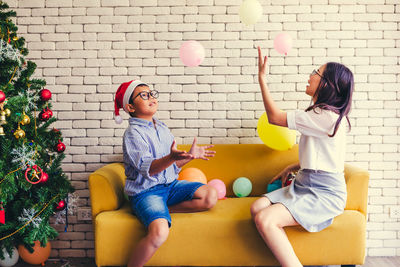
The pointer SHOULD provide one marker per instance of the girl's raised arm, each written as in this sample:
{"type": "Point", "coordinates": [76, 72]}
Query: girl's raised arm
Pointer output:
{"type": "Point", "coordinates": [275, 115]}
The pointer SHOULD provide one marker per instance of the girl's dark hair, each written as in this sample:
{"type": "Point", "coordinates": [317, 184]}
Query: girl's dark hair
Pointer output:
{"type": "Point", "coordinates": [335, 92]}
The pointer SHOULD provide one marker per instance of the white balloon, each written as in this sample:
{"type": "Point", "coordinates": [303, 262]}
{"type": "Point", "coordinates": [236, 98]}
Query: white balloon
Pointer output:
{"type": "Point", "coordinates": [250, 12]}
{"type": "Point", "coordinates": [9, 261]}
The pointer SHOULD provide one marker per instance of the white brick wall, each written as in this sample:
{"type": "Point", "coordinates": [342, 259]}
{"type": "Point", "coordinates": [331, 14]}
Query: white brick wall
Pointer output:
{"type": "Point", "coordinates": [85, 49]}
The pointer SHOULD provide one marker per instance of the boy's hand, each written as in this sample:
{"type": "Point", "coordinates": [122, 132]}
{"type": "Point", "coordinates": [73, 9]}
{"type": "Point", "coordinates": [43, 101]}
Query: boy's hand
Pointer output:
{"type": "Point", "coordinates": [176, 154]}
{"type": "Point", "coordinates": [262, 64]}
{"type": "Point", "coordinates": [201, 152]}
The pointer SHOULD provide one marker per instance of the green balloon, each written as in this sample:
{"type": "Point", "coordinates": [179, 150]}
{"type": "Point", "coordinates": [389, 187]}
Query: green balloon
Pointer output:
{"type": "Point", "coordinates": [242, 187]}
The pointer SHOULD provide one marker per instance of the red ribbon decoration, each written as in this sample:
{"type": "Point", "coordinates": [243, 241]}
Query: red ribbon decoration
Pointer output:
{"type": "Point", "coordinates": [36, 174]}
{"type": "Point", "coordinates": [2, 214]}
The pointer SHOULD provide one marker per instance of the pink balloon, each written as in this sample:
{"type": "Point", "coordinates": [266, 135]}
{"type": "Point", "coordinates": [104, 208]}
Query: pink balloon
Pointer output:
{"type": "Point", "coordinates": [191, 53]}
{"type": "Point", "coordinates": [219, 186]}
{"type": "Point", "coordinates": [283, 43]}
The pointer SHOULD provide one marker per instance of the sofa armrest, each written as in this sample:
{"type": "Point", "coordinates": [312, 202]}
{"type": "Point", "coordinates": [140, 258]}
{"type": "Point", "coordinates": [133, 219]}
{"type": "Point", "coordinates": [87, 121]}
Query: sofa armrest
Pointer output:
{"type": "Point", "coordinates": [106, 187]}
{"type": "Point", "coordinates": [357, 188]}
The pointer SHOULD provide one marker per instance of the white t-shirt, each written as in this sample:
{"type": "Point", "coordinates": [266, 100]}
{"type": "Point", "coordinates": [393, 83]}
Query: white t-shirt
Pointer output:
{"type": "Point", "coordinates": [318, 151]}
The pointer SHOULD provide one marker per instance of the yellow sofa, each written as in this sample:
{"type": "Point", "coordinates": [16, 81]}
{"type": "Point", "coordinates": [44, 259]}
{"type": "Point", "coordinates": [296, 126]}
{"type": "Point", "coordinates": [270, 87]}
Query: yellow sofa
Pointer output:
{"type": "Point", "coordinates": [226, 235]}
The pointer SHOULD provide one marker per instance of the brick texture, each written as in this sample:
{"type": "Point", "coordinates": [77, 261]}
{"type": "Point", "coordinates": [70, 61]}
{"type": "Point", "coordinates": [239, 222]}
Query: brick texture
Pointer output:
{"type": "Point", "coordinates": [85, 49]}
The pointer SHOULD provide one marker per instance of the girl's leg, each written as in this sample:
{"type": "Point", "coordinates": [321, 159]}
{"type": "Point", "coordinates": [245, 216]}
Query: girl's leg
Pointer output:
{"type": "Point", "coordinates": [204, 198]}
{"type": "Point", "coordinates": [158, 231]}
{"type": "Point", "coordinates": [259, 205]}
{"type": "Point", "coordinates": [270, 222]}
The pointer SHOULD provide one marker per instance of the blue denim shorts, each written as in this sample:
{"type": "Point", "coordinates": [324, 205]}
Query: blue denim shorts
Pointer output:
{"type": "Point", "coordinates": [152, 203]}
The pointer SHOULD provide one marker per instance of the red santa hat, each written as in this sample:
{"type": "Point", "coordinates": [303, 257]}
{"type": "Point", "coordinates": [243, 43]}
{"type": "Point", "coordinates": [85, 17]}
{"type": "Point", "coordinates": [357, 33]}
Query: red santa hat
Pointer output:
{"type": "Point", "coordinates": [122, 97]}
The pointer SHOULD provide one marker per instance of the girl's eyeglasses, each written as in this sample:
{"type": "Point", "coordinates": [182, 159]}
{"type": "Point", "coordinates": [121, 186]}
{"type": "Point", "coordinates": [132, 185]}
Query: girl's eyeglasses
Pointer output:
{"type": "Point", "coordinates": [145, 95]}
{"type": "Point", "coordinates": [316, 72]}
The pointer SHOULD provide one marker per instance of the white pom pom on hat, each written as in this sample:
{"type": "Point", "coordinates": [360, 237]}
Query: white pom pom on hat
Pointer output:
{"type": "Point", "coordinates": [122, 97]}
{"type": "Point", "coordinates": [118, 119]}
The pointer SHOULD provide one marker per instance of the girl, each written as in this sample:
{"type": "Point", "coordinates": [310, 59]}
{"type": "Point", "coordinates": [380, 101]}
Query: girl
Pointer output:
{"type": "Point", "coordinates": [318, 193]}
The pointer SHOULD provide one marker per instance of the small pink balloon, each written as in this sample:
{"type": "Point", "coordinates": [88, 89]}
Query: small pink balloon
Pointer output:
{"type": "Point", "coordinates": [283, 43]}
{"type": "Point", "coordinates": [191, 53]}
{"type": "Point", "coordinates": [219, 186]}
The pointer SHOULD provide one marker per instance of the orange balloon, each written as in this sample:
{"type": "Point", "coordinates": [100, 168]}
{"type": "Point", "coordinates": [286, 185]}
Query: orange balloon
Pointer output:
{"type": "Point", "coordinates": [193, 175]}
{"type": "Point", "coordinates": [39, 255]}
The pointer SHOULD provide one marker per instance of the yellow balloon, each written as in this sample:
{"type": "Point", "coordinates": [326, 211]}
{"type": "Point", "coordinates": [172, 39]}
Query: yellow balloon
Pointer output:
{"type": "Point", "coordinates": [250, 12]}
{"type": "Point", "coordinates": [275, 137]}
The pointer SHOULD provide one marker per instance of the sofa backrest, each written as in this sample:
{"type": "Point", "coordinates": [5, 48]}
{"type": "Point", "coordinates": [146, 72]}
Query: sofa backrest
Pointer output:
{"type": "Point", "coordinates": [256, 162]}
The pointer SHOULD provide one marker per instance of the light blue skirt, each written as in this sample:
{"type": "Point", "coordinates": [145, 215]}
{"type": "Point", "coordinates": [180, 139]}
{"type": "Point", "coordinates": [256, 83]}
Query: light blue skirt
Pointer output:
{"type": "Point", "coordinates": [313, 198]}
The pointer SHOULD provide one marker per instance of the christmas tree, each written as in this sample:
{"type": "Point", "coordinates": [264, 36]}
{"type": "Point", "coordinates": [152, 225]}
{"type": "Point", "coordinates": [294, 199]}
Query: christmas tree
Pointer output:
{"type": "Point", "coordinates": [33, 186]}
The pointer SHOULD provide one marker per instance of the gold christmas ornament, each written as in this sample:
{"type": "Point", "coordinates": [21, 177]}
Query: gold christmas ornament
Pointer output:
{"type": "Point", "coordinates": [25, 119]}
{"type": "Point", "coordinates": [15, 38]}
{"type": "Point", "coordinates": [19, 133]}
{"type": "Point", "coordinates": [2, 131]}
{"type": "Point", "coordinates": [8, 112]}
{"type": "Point", "coordinates": [3, 117]}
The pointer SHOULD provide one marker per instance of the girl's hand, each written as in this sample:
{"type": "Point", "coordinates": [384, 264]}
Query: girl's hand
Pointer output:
{"type": "Point", "coordinates": [283, 175]}
{"type": "Point", "coordinates": [262, 64]}
{"type": "Point", "coordinates": [201, 152]}
{"type": "Point", "coordinates": [176, 154]}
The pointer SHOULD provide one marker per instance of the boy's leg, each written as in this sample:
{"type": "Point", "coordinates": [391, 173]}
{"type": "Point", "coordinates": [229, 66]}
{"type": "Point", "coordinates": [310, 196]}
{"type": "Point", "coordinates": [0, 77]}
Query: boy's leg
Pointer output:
{"type": "Point", "coordinates": [204, 198]}
{"type": "Point", "coordinates": [270, 222]}
{"type": "Point", "coordinates": [151, 209]}
{"type": "Point", "coordinates": [158, 231]}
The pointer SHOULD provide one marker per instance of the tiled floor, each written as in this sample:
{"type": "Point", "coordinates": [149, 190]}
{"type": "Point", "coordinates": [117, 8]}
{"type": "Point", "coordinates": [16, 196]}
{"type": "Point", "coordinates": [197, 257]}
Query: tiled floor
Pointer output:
{"type": "Point", "coordinates": [89, 262]}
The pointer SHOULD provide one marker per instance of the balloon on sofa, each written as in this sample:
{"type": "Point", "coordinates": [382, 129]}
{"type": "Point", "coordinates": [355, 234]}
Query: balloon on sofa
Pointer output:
{"type": "Point", "coordinates": [283, 43]}
{"type": "Point", "coordinates": [242, 187]}
{"type": "Point", "coordinates": [9, 260]}
{"type": "Point", "coordinates": [250, 12]}
{"type": "Point", "coordinates": [275, 137]}
{"type": "Point", "coordinates": [278, 183]}
{"type": "Point", "coordinates": [39, 256]}
{"type": "Point", "coordinates": [191, 53]}
{"type": "Point", "coordinates": [193, 175]}
{"type": "Point", "coordinates": [219, 185]}
{"type": "Point", "coordinates": [274, 185]}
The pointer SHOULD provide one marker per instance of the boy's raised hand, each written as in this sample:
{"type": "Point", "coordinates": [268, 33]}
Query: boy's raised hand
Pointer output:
{"type": "Point", "coordinates": [176, 154]}
{"type": "Point", "coordinates": [201, 152]}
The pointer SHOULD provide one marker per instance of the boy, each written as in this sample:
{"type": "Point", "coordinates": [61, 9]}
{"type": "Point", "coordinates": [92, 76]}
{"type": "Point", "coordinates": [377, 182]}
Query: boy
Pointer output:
{"type": "Point", "coordinates": [152, 163]}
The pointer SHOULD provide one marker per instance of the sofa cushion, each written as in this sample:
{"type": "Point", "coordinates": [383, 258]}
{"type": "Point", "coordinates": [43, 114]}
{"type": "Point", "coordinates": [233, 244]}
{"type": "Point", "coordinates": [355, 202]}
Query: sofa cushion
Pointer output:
{"type": "Point", "coordinates": [226, 232]}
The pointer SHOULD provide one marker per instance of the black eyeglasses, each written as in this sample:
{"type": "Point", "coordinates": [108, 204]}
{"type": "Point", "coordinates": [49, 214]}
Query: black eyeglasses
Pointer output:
{"type": "Point", "coordinates": [145, 95]}
{"type": "Point", "coordinates": [316, 72]}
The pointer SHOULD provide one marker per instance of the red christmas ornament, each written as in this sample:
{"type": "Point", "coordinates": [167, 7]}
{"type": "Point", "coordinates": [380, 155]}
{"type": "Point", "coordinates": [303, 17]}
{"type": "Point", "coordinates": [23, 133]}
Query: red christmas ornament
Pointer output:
{"type": "Point", "coordinates": [61, 205]}
{"type": "Point", "coordinates": [44, 115]}
{"type": "Point", "coordinates": [60, 147]}
{"type": "Point", "coordinates": [45, 94]}
{"type": "Point", "coordinates": [49, 112]}
{"type": "Point", "coordinates": [2, 96]}
{"type": "Point", "coordinates": [45, 178]}
{"type": "Point", "coordinates": [34, 174]}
